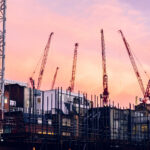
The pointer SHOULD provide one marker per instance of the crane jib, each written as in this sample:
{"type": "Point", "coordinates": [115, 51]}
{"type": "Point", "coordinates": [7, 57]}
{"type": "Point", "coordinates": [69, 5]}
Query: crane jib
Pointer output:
{"type": "Point", "coordinates": [133, 63]}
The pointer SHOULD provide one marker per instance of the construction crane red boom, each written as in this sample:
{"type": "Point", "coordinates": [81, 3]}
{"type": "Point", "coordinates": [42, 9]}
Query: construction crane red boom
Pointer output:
{"type": "Point", "coordinates": [146, 92]}
{"type": "Point", "coordinates": [44, 60]}
{"type": "Point", "coordinates": [54, 78]}
{"type": "Point", "coordinates": [32, 82]}
{"type": "Point", "coordinates": [72, 81]}
{"type": "Point", "coordinates": [105, 77]}
{"type": "Point", "coordinates": [133, 63]}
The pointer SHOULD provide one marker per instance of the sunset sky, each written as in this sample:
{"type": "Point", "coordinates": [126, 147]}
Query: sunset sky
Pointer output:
{"type": "Point", "coordinates": [29, 23]}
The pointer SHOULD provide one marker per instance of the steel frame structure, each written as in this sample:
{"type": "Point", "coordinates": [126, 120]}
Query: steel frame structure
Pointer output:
{"type": "Point", "coordinates": [92, 124]}
{"type": "Point", "coordinates": [2, 50]}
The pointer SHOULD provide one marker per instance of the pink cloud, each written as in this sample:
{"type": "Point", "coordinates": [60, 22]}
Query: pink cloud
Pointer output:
{"type": "Point", "coordinates": [28, 28]}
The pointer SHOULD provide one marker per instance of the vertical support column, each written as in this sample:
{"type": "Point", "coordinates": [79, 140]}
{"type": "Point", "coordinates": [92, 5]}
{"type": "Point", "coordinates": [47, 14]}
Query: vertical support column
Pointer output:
{"type": "Point", "coordinates": [61, 111]}
{"type": "Point", "coordinates": [30, 105]}
{"type": "Point", "coordinates": [86, 117]}
{"type": "Point", "coordinates": [2, 51]}
{"type": "Point", "coordinates": [42, 110]}
{"type": "Point", "coordinates": [94, 116]}
{"type": "Point", "coordinates": [47, 126]}
{"type": "Point", "coordinates": [97, 119]}
{"type": "Point", "coordinates": [33, 108]}
{"type": "Point", "coordinates": [58, 111]}
{"type": "Point", "coordinates": [80, 129]}
{"type": "Point", "coordinates": [129, 124]}
{"type": "Point", "coordinates": [113, 118]}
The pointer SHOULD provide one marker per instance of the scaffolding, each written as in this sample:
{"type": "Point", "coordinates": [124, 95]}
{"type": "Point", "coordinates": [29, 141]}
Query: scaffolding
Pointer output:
{"type": "Point", "coordinates": [77, 122]}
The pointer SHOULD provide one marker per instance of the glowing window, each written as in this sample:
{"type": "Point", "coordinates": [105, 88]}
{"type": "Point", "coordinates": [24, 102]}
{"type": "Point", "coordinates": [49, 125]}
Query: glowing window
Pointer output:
{"type": "Point", "coordinates": [6, 101]}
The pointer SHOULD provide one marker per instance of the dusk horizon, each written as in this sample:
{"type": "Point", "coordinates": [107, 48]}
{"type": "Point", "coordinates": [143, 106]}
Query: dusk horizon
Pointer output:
{"type": "Point", "coordinates": [28, 28]}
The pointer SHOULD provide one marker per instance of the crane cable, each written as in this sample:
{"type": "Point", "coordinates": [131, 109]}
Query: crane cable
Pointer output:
{"type": "Point", "coordinates": [145, 72]}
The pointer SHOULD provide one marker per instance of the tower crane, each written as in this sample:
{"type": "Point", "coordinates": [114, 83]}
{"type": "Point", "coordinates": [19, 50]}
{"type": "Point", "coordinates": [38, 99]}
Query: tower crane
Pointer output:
{"type": "Point", "coordinates": [105, 77]}
{"type": "Point", "coordinates": [44, 60]}
{"type": "Point", "coordinates": [54, 78]}
{"type": "Point", "coordinates": [72, 81]}
{"type": "Point", "coordinates": [146, 92]}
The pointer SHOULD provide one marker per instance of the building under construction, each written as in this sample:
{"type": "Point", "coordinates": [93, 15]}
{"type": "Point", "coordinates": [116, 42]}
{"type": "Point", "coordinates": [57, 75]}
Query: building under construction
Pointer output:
{"type": "Point", "coordinates": [60, 119]}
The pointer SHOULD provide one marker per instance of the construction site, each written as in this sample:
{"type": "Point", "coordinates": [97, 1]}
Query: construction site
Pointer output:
{"type": "Point", "coordinates": [63, 119]}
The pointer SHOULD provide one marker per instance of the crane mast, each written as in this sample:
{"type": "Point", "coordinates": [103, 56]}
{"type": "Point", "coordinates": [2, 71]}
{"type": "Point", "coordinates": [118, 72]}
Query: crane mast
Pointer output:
{"type": "Point", "coordinates": [72, 81]}
{"type": "Point", "coordinates": [44, 60]}
{"type": "Point", "coordinates": [105, 77]}
{"type": "Point", "coordinates": [2, 53]}
{"type": "Point", "coordinates": [133, 63]}
{"type": "Point", "coordinates": [54, 78]}
{"type": "Point", "coordinates": [147, 91]}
